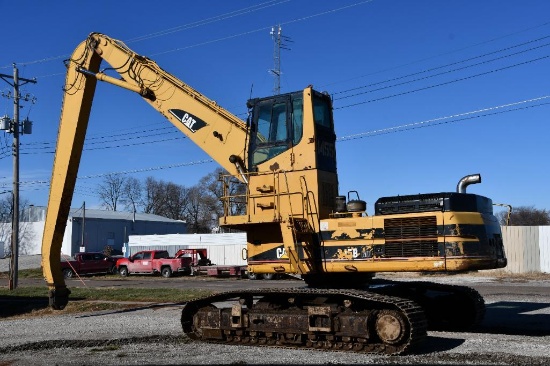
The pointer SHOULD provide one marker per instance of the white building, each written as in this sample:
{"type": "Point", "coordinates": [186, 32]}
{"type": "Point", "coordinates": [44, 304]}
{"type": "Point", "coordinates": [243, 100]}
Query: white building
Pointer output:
{"type": "Point", "coordinates": [223, 249]}
{"type": "Point", "coordinates": [89, 230]}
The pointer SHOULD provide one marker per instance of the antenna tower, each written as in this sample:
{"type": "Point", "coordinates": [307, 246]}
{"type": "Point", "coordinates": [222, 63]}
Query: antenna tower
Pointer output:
{"type": "Point", "coordinates": [279, 42]}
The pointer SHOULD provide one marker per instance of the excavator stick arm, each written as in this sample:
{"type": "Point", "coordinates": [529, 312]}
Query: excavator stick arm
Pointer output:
{"type": "Point", "coordinates": [79, 91]}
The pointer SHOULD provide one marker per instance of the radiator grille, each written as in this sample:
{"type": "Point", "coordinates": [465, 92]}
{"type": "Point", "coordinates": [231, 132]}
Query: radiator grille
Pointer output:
{"type": "Point", "coordinates": [411, 249]}
{"type": "Point", "coordinates": [411, 237]}
{"type": "Point", "coordinates": [410, 227]}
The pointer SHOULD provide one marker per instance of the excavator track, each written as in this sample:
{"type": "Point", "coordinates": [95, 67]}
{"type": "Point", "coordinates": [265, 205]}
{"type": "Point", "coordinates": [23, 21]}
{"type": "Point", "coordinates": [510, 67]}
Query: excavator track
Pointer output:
{"type": "Point", "coordinates": [303, 318]}
{"type": "Point", "coordinates": [447, 307]}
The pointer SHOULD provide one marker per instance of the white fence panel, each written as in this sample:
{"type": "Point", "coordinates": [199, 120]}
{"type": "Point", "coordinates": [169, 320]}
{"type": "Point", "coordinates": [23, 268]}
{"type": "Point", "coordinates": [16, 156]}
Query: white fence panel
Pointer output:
{"type": "Point", "coordinates": [544, 246]}
{"type": "Point", "coordinates": [521, 244]}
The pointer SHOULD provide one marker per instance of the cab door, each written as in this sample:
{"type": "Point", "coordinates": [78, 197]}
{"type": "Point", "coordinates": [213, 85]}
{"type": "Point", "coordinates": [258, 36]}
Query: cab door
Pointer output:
{"type": "Point", "coordinates": [99, 263]}
{"type": "Point", "coordinates": [86, 263]}
{"type": "Point", "coordinates": [143, 262]}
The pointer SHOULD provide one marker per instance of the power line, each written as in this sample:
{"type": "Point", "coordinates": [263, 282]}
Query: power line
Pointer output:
{"type": "Point", "coordinates": [444, 83]}
{"type": "Point", "coordinates": [405, 127]}
{"type": "Point", "coordinates": [99, 136]}
{"type": "Point", "coordinates": [132, 171]}
{"type": "Point", "coordinates": [210, 20]}
{"type": "Point", "coordinates": [104, 139]}
{"type": "Point", "coordinates": [152, 35]}
{"type": "Point", "coordinates": [439, 55]}
{"type": "Point", "coordinates": [5, 154]}
{"type": "Point", "coordinates": [261, 29]}
{"type": "Point", "coordinates": [441, 120]}
{"type": "Point", "coordinates": [452, 64]}
{"type": "Point", "coordinates": [47, 59]}
{"type": "Point", "coordinates": [150, 169]}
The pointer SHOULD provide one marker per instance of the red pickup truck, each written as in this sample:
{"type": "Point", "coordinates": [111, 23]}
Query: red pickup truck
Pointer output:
{"type": "Point", "coordinates": [153, 261]}
{"type": "Point", "coordinates": [88, 263]}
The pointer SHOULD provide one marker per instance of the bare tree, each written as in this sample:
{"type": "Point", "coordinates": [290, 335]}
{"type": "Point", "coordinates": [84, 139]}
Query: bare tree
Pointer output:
{"type": "Point", "coordinates": [26, 235]}
{"type": "Point", "coordinates": [132, 194]}
{"type": "Point", "coordinates": [6, 208]}
{"type": "Point", "coordinates": [214, 184]}
{"type": "Point", "coordinates": [525, 216]}
{"type": "Point", "coordinates": [198, 214]}
{"type": "Point", "coordinates": [165, 199]}
{"type": "Point", "coordinates": [199, 205]}
{"type": "Point", "coordinates": [6, 214]}
{"type": "Point", "coordinates": [111, 191]}
{"type": "Point", "coordinates": [176, 201]}
{"type": "Point", "coordinates": [153, 196]}
{"type": "Point", "coordinates": [212, 192]}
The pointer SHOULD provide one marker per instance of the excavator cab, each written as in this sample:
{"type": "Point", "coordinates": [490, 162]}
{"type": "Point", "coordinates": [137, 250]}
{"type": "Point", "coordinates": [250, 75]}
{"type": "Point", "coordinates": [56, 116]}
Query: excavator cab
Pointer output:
{"type": "Point", "coordinates": [277, 125]}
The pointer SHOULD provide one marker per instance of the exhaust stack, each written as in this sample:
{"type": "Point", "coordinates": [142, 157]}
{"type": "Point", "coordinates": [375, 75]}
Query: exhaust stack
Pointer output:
{"type": "Point", "coordinates": [466, 181]}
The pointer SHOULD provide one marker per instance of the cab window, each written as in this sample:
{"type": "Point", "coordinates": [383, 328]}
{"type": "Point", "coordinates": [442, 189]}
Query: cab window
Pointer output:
{"type": "Point", "coordinates": [322, 113]}
{"type": "Point", "coordinates": [278, 126]}
{"type": "Point", "coordinates": [297, 120]}
{"type": "Point", "coordinates": [161, 255]}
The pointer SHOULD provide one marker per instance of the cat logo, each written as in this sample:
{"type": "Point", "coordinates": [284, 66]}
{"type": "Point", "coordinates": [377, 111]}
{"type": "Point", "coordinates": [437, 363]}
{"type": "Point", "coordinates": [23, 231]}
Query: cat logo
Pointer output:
{"type": "Point", "coordinates": [281, 253]}
{"type": "Point", "coordinates": [190, 121]}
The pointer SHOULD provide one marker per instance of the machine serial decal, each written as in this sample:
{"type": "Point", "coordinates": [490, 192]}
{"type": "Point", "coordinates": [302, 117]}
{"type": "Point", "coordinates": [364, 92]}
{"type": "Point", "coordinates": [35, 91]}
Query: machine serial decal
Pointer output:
{"type": "Point", "coordinates": [190, 121]}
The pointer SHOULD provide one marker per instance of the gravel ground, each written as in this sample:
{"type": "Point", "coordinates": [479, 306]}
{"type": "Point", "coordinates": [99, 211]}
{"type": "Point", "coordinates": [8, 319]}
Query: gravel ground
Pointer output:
{"type": "Point", "coordinates": [151, 335]}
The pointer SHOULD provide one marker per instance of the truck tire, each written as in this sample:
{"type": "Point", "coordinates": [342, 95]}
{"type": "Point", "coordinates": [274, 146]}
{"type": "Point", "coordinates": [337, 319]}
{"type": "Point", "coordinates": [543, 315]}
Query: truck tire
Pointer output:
{"type": "Point", "coordinates": [253, 276]}
{"type": "Point", "coordinates": [113, 270]}
{"type": "Point", "coordinates": [68, 273]}
{"type": "Point", "coordinates": [123, 271]}
{"type": "Point", "coordinates": [166, 272]}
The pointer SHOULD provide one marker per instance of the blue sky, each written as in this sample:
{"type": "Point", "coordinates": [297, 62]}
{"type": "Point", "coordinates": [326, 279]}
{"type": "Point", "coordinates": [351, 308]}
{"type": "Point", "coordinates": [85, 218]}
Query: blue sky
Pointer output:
{"type": "Point", "coordinates": [425, 92]}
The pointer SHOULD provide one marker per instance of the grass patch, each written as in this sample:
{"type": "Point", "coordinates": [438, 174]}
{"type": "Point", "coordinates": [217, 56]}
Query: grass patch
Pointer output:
{"type": "Point", "coordinates": [25, 273]}
{"type": "Point", "coordinates": [33, 301]}
{"type": "Point", "coordinates": [111, 294]}
{"type": "Point", "coordinates": [30, 273]}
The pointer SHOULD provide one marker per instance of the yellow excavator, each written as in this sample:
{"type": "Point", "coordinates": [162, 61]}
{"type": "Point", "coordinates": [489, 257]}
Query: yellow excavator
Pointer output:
{"type": "Point", "coordinates": [295, 219]}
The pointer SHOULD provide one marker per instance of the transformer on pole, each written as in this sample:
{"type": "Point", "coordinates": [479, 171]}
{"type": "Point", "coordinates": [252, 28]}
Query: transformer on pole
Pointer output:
{"type": "Point", "coordinates": [15, 127]}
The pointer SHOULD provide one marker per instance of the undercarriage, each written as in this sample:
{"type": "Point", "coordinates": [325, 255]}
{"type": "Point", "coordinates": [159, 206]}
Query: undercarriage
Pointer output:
{"type": "Point", "coordinates": [390, 318]}
{"type": "Point", "coordinates": [352, 320]}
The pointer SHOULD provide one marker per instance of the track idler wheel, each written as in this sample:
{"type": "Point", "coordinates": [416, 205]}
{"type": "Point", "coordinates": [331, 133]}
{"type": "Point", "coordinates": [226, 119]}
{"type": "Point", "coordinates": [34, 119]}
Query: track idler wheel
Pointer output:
{"type": "Point", "coordinates": [390, 327]}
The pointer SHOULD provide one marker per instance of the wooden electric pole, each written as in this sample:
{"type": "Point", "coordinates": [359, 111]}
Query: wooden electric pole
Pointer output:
{"type": "Point", "coordinates": [14, 128]}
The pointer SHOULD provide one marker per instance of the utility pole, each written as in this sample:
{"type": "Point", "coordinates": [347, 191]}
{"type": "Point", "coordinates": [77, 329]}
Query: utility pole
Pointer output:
{"type": "Point", "coordinates": [83, 223]}
{"type": "Point", "coordinates": [14, 128]}
{"type": "Point", "coordinates": [279, 43]}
